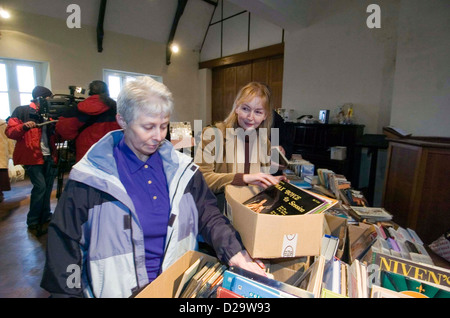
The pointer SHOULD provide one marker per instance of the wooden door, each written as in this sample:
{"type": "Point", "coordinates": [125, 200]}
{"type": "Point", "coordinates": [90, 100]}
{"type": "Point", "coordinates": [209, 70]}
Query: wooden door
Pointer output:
{"type": "Point", "coordinates": [228, 80]}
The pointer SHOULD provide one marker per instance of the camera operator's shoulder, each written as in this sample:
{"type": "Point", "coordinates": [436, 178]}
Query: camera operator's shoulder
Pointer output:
{"type": "Point", "coordinates": [20, 111]}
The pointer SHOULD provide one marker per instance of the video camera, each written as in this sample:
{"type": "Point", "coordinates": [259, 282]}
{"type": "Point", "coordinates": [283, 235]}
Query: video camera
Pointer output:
{"type": "Point", "coordinates": [60, 103]}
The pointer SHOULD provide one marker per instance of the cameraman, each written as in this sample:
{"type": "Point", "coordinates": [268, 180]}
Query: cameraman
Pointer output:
{"type": "Point", "coordinates": [34, 149]}
{"type": "Point", "coordinates": [90, 120]}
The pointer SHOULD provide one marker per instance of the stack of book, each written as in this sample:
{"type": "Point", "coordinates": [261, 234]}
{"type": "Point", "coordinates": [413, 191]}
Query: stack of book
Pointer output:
{"type": "Point", "coordinates": [337, 186]}
{"type": "Point", "coordinates": [201, 280]}
{"type": "Point", "coordinates": [378, 274]}
{"type": "Point", "coordinates": [400, 242]}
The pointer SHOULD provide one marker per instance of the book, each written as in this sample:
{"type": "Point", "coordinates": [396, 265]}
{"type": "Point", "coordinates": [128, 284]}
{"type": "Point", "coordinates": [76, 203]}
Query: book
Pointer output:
{"type": "Point", "coordinates": [332, 276]}
{"type": "Point", "coordinates": [278, 157]}
{"type": "Point", "coordinates": [329, 202]}
{"type": "Point", "coordinates": [290, 289]}
{"type": "Point", "coordinates": [285, 199]}
{"type": "Point", "coordinates": [380, 292]}
{"type": "Point", "coordinates": [412, 287]}
{"type": "Point", "coordinates": [354, 197]}
{"type": "Point", "coordinates": [330, 294]}
{"type": "Point", "coordinates": [329, 246]}
{"type": "Point", "coordinates": [204, 280]}
{"type": "Point", "coordinates": [296, 180]}
{"type": "Point", "coordinates": [344, 280]}
{"type": "Point", "coordinates": [196, 281]}
{"type": "Point", "coordinates": [208, 287]}
{"type": "Point", "coordinates": [425, 272]}
{"type": "Point", "coordinates": [226, 293]}
{"type": "Point", "coordinates": [399, 242]}
{"type": "Point", "coordinates": [311, 280]}
{"type": "Point", "coordinates": [187, 275]}
{"type": "Point", "coordinates": [370, 214]}
{"type": "Point", "coordinates": [357, 280]}
{"type": "Point", "coordinates": [362, 244]}
{"type": "Point", "coordinates": [249, 288]}
{"type": "Point", "coordinates": [395, 132]}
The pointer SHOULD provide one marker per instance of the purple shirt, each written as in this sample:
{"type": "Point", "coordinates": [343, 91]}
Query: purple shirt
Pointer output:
{"type": "Point", "coordinates": [146, 184]}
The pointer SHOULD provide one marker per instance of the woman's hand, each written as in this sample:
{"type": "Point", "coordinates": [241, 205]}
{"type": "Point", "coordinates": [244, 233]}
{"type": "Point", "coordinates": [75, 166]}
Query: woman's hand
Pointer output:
{"type": "Point", "coordinates": [263, 180]}
{"type": "Point", "coordinates": [244, 261]}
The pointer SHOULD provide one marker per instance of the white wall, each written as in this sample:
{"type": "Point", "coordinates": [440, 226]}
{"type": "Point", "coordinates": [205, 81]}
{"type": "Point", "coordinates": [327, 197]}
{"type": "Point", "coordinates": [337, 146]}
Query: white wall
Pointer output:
{"type": "Point", "coordinates": [421, 103]}
{"type": "Point", "coordinates": [396, 75]}
{"type": "Point", "coordinates": [337, 59]}
{"type": "Point", "coordinates": [73, 58]}
{"type": "Point", "coordinates": [238, 33]}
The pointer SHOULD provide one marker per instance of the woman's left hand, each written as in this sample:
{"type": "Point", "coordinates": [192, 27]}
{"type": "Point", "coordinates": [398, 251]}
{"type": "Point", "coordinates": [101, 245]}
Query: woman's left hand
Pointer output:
{"type": "Point", "coordinates": [244, 261]}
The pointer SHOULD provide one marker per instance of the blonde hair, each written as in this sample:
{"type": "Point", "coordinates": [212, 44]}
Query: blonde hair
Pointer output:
{"type": "Point", "coordinates": [247, 93]}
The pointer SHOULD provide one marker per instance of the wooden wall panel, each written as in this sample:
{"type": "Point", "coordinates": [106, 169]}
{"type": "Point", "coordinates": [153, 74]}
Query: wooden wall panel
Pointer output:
{"type": "Point", "coordinates": [260, 70]}
{"type": "Point", "coordinates": [227, 80]}
{"type": "Point", "coordinates": [276, 80]}
{"type": "Point", "coordinates": [416, 186]}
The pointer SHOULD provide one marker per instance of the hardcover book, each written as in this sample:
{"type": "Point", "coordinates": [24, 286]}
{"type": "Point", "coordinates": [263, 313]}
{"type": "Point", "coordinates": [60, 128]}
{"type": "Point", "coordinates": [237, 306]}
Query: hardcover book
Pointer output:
{"type": "Point", "coordinates": [285, 199]}
{"type": "Point", "coordinates": [427, 273]}
{"type": "Point", "coordinates": [249, 288]}
{"type": "Point", "coordinates": [411, 287]}
{"type": "Point", "coordinates": [290, 289]}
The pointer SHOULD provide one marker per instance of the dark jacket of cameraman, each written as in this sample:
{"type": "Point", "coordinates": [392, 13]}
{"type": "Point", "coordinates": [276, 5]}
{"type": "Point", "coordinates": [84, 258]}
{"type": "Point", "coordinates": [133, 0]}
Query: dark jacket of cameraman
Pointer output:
{"type": "Point", "coordinates": [88, 122]}
{"type": "Point", "coordinates": [28, 142]}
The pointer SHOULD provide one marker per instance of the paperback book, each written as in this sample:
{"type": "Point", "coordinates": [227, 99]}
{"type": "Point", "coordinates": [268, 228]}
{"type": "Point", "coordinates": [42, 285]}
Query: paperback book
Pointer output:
{"type": "Point", "coordinates": [370, 214]}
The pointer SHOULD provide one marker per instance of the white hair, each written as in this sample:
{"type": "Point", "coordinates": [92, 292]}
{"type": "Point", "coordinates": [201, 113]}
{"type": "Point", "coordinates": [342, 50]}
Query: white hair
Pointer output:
{"type": "Point", "coordinates": [144, 96]}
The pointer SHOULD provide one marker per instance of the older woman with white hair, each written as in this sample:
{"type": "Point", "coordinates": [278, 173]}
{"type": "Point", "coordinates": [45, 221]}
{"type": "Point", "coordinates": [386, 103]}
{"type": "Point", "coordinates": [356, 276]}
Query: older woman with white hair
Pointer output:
{"type": "Point", "coordinates": [132, 206]}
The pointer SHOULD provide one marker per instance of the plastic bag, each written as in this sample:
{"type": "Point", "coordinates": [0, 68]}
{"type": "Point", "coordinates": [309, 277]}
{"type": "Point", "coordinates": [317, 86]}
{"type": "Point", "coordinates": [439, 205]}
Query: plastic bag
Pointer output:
{"type": "Point", "coordinates": [15, 172]}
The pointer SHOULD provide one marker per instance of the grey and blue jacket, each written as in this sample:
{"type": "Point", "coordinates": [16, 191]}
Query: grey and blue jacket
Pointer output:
{"type": "Point", "coordinates": [95, 242]}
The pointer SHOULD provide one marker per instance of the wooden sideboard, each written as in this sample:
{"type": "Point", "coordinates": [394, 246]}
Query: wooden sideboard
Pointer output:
{"type": "Point", "coordinates": [313, 142]}
{"type": "Point", "coordinates": [417, 185]}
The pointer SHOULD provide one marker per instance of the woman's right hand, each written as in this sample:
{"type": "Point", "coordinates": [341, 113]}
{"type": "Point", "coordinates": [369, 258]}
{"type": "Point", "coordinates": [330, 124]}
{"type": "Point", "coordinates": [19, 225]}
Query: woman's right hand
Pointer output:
{"type": "Point", "coordinates": [261, 179]}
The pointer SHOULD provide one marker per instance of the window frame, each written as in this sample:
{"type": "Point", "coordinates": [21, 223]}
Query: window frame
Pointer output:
{"type": "Point", "coordinates": [12, 80]}
{"type": "Point", "coordinates": [123, 75]}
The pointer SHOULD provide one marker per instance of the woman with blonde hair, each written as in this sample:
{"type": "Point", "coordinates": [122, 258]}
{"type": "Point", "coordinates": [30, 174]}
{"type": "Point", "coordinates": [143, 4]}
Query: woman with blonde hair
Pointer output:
{"type": "Point", "coordinates": [237, 150]}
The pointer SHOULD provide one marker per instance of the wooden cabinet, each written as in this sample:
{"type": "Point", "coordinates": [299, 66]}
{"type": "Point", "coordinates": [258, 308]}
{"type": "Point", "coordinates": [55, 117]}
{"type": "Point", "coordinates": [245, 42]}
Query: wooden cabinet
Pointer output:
{"type": "Point", "coordinates": [417, 185]}
{"type": "Point", "coordinates": [314, 141]}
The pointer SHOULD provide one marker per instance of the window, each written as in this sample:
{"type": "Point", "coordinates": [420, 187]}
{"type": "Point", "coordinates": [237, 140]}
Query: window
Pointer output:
{"type": "Point", "coordinates": [117, 79]}
{"type": "Point", "coordinates": [4, 99]}
{"type": "Point", "coordinates": [17, 80]}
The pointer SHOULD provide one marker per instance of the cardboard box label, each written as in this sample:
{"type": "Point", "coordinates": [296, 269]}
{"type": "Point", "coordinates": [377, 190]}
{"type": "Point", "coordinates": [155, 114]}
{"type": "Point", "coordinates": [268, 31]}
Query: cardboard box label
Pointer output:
{"type": "Point", "coordinates": [289, 245]}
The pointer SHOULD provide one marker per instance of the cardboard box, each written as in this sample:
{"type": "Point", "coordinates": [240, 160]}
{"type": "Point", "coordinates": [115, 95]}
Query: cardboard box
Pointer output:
{"type": "Point", "coordinates": [273, 236]}
{"type": "Point", "coordinates": [355, 232]}
{"type": "Point", "coordinates": [166, 284]}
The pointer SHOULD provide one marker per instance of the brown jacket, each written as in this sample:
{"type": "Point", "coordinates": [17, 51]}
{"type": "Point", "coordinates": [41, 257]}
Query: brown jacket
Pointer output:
{"type": "Point", "coordinates": [221, 156]}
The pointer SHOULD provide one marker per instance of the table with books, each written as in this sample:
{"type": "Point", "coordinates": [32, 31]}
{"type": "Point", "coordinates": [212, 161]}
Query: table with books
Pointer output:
{"type": "Point", "coordinates": [354, 251]}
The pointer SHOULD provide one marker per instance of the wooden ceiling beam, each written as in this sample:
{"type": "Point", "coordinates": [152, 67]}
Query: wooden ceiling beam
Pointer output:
{"type": "Point", "coordinates": [101, 19]}
{"type": "Point", "coordinates": [178, 14]}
